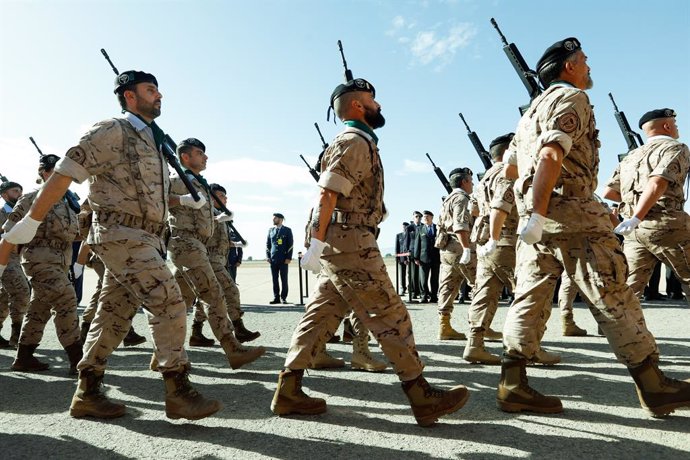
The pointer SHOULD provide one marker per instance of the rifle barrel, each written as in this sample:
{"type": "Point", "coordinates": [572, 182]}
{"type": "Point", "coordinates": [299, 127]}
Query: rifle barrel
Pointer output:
{"type": "Point", "coordinates": [36, 145]}
{"type": "Point", "coordinates": [107, 58]}
{"type": "Point", "coordinates": [498, 29]}
{"type": "Point", "coordinates": [463, 120]}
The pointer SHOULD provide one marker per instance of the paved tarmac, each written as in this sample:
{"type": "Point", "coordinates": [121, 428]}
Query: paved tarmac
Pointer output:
{"type": "Point", "coordinates": [368, 415]}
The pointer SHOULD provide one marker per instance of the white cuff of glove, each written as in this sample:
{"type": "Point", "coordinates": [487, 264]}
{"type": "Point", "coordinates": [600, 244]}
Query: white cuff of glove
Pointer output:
{"type": "Point", "coordinates": [2, 269]}
{"type": "Point", "coordinates": [311, 259]}
{"type": "Point", "coordinates": [188, 200]}
{"type": "Point", "coordinates": [627, 226]}
{"type": "Point", "coordinates": [531, 233]}
{"type": "Point", "coordinates": [78, 270]}
{"type": "Point", "coordinates": [466, 256]}
{"type": "Point", "coordinates": [23, 231]}
{"type": "Point", "coordinates": [488, 248]}
{"type": "Point", "coordinates": [223, 217]}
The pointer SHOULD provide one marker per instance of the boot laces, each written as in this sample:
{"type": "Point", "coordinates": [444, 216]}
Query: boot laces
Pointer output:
{"type": "Point", "coordinates": [184, 386]}
{"type": "Point", "coordinates": [431, 392]}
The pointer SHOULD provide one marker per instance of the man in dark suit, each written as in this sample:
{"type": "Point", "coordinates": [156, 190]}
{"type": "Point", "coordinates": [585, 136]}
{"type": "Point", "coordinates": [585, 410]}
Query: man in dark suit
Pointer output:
{"type": "Point", "coordinates": [403, 261]}
{"type": "Point", "coordinates": [428, 257]}
{"type": "Point", "coordinates": [413, 268]}
{"type": "Point", "coordinates": [235, 255]}
{"type": "Point", "coordinates": [279, 254]}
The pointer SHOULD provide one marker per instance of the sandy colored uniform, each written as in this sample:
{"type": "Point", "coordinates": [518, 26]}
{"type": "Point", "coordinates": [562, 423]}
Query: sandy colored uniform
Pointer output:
{"type": "Point", "coordinates": [664, 234]}
{"type": "Point", "coordinates": [455, 215]}
{"type": "Point", "coordinates": [128, 192]}
{"type": "Point", "coordinates": [497, 269]}
{"type": "Point", "coordinates": [190, 231]}
{"type": "Point", "coordinates": [46, 260]}
{"type": "Point", "coordinates": [577, 233]}
{"type": "Point", "coordinates": [354, 274]}
{"type": "Point", "coordinates": [14, 287]}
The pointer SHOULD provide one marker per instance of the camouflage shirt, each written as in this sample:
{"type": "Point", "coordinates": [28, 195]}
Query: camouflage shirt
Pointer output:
{"type": "Point", "coordinates": [184, 220]}
{"type": "Point", "coordinates": [495, 191]}
{"type": "Point", "coordinates": [563, 115]}
{"type": "Point", "coordinates": [219, 244]}
{"type": "Point", "coordinates": [661, 156]}
{"type": "Point", "coordinates": [4, 214]}
{"type": "Point", "coordinates": [128, 180]}
{"type": "Point", "coordinates": [456, 216]}
{"type": "Point", "coordinates": [59, 227]}
{"type": "Point", "coordinates": [351, 167]}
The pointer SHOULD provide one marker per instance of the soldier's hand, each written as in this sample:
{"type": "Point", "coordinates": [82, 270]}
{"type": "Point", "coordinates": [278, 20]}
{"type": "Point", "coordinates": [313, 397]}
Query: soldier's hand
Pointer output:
{"type": "Point", "coordinates": [23, 231]}
{"type": "Point", "coordinates": [188, 200]}
{"type": "Point", "coordinates": [78, 270]}
{"type": "Point", "coordinates": [223, 217]}
{"type": "Point", "coordinates": [487, 249]}
{"type": "Point", "coordinates": [311, 258]}
{"type": "Point", "coordinates": [531, 233]}
{"type": "Point", "coordinates": [627, 226]}
{"type": "Point", "coordinates": [466, 256]}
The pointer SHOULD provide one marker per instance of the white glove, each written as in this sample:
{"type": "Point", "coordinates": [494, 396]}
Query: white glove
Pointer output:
{"type": "Point", "coordinates": [487, 249]}
{"type": "Point", "coordinates": [188, 200]}
{"type": "Point", "coordinates": [466, 256]}
{"type": "Point", "coordinates": [78, 270]}
{"type": "Point", "coordinates": [311, 259]}
{"type": "Point", "coordinates": [531, 233]}
{"type": "Point", "coordinates": [223, 217]}
{"type": "Point", "coordinates": [2, 269]}
{"type": "Point", "coordinates": [23, 231]}
{"type": "Point", "coordinates": [627, 226]}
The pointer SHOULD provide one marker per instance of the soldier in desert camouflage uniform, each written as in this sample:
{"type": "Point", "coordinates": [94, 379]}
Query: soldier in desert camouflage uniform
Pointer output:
{"type": "Point", "coordinates": [565, 228]}
{"type": "Point", "coordinates": [45, 260]}
{"type": "Point", "coordinates": [649, 184]}
{"type": "Point", "coordinates": [14, 287]}
{"type": "Point", "coordinates": [344, 241]}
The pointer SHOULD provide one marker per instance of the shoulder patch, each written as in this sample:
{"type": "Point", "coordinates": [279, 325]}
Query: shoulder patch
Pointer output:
{"type": "Point", "coordinates": [568, 122]}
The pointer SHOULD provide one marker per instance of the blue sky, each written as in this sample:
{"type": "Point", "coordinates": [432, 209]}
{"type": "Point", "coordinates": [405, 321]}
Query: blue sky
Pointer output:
{"type": "Point", "coordinates": [250, 78]}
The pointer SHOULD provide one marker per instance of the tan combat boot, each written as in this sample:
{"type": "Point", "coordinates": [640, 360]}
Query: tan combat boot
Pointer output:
{"type": "Point", "coordinates": [570, 329]}
{"type": "Point", "coordinates": [26, 361]}
{"type": "Point", "coordinates": [658, 394]}
{"type": "Point", "coordinates": [476, 353]}
{"type": "Point", "coordinates": [361, 357]}
{"type": "Point", "coordinates": [446, 331]}
{"type": "Point", "coordinates": [183, 401]}
{"type": "Point", "coordinates": [290, 399]}
{"type": "Point", "coordinates": [238, 355]}
{"type": "Point", "coordinates": [429, 403]}
{"type": "Point", "coordinates": [493, 336]}
{"type": "Point", "coordinates": [242, 333]}
{"type": "Point", "coordinates": [323, 360]}
{"type": "Point", "coordinates": [88, 399]}
{"type": "Point", "coordinates": [197, 339]}
{"type": "Point", "coordinates": [74, 354]}
{"type": "Point", "coordinates": [515, 394]}
{"type": "Point", "coordinates": [84, 331]}
{"type": "Point", "coordinates": [545, 358]}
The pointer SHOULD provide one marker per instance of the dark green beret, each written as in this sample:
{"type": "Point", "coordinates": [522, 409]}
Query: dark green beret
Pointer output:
{"type": "Point", "coordinates": [428, 213]}
{"type": "Point", "coordinates": [5, 186]}
{"type": "Point", "coordinates": [48, 161]}
{"type": "Point", "coordinates": [216, 187]}
{"type": "Point", "coordinates": [358, 84]}
{"type": "Point", "coordinates": [558, 51]}
{"type": "Point", "coordinates": [131, 77]}
{"type": "Point", "coordinates": [655, 114]}
{"type": "Point", "coordinates": [278, 215]}
{"type": "Point", "coordinates": [191, 142]}
{"type": "Point", "coordinates": [506, 138]}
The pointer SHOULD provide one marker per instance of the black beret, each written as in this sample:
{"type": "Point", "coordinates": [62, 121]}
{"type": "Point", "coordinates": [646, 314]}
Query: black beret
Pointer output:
{"type": "Point", "coordinates": [557, 51]}
{"type": "Point", "coordinates": [428, 213]}
{"type": "Point", "coordinates": [132, 77]}
{"type": "Point", "coordinates": [506, 138]}
{"type": "Point", "coordinates": [278, 215]}
{"type": "Point", "coordinates": [48, 161]}
{"type": "Point", "coordinates": [358, 84]}
{"type": "Point", "coordinates": [417, 213]}
{"type": "Point", "coordinates": [405, 224]}
{"type": "Point", "coordinates": [5, 186]}
{"type": "Point", "coordinates": [458, 171]}
{"type": "Point", "coordinates": [191, 142]}
{"type": "Point", "coordinates": [217, 187]}
{"type": "Point", "coordinates": [654, 114]}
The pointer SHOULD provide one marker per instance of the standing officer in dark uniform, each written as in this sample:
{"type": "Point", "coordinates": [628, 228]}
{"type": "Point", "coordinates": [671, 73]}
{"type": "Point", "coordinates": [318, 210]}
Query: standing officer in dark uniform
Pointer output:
{"type": "Point", "coordinates": [279, 254]}
{"type": "Point", "coordinates": [428, 258]}
{"type": "Point", "coordinates": [412, 229]}
{"type": "Point", "coordinates": [403, 261]}
{"type": "Point", "coordinates": [235, 255]}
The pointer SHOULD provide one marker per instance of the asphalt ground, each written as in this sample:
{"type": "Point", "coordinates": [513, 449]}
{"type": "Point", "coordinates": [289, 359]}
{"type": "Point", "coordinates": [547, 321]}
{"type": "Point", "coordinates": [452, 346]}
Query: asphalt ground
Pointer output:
{"type": "Point", "coordinates": [368, 415]}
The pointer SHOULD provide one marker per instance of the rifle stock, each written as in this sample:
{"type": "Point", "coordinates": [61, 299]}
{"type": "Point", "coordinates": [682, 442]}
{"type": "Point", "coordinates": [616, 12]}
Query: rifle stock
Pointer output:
{"type": "Point", "coordinates": [312, 171]}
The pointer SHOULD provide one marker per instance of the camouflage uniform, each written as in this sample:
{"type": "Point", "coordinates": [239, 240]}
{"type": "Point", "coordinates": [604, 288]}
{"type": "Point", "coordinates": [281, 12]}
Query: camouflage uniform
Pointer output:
{"type": "Point", "coordinates": [498, 268]}
{"type": "Point", "coordinates": [45, 261]}
{"type": "Point", "coordinates": [663, 234]}
{"type": "Point", "coordinates": [128, 191]}
{"type": "Point", "coordinates": [455, 215]}
{"type": "Point", "coordinates": [577, 233]}
{"type": "Point", "coordinates": [354, 274]}
{"type": "Point", "coordinates": [14, 287]}
{"type": "Point", "coordinates": [93, 262]}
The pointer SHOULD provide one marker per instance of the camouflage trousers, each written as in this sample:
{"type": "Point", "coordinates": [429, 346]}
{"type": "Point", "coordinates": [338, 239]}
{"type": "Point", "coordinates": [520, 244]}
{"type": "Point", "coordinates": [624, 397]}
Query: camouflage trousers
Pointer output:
{"type": "Point", "coordinates": [230, 291]}
{"type": "Point", "coordinates": [14, 292]}
{"type": "Point", "coordinates": [90, 311]}
{"type": "Point", "coordinates": [597, 266]}
{"type": "Point", "coordinates": [136, 274]}
{"type": "Point", "coordinates": [452, 276]}
{"type": "Point", "coordinates": [51, 293]}
{"type": "Point", "coordinates": [493, 272]}
{"type": "Point", "coordinates": [566, 295]}
{"type": "Point", "coordinates": [644, 247]}
{"type": "Point", "coordinates": [192, 263]}
{"type": "Point", "coordinates": [357, 281]}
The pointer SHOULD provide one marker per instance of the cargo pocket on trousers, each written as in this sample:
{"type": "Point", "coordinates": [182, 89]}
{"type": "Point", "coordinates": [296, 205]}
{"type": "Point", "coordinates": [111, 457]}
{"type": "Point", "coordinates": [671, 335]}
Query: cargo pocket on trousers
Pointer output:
{"type": "Point", "coordinates": [606, 263]}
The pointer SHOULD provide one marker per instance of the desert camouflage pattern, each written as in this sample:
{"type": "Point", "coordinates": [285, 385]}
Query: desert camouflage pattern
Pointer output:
{"type": "Point", "coordinates": [14, 287]}
{"type": "Point", "coordinates": [566, 295]}
{"type": "Point", "coordinates": [185, 221]}
{"type": "Point", "coordinates": [577, 236]}
{"type": "Point", "coordinates": [96, 264]}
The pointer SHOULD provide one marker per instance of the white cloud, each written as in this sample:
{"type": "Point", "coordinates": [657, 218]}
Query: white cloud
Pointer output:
{"type": "Point", "coordinates": [398, 22]}
{"type": "Point", "coordinates": [273, 174]}
{"type": "Point", "coordinates": [413, 167]}
{"type": "Point", "coordinates": [431, 47]}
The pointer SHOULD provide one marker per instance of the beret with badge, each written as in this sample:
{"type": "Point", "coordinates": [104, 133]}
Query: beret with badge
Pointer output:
{"type": "Point", "coordinates": [48, 161]}
{"type": "Point", "coordinates": [656, 114]}
{"type": "Point", "coordinates": [506, 138]}
{"type": "Point", "coordinates": [127, 79]}
{"type": "Point", "coordinates": [5, 186]}
{"type": "Point", "coordinates": [558, 51]}
{"type": "Point", "coordinates": [191, 142]}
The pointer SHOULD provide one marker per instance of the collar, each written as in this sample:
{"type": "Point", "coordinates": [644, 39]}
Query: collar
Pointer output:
{"type": "Point", "coordinates": [362, 127]}
{"type": "Point", "coordinates": [136, 121]}
{"type": "Point", "coordinates": [561, 84]}
{"type": "Point", "coordinates": [7, 207]}
{"type": "Point", "coordinates": [660, 137]}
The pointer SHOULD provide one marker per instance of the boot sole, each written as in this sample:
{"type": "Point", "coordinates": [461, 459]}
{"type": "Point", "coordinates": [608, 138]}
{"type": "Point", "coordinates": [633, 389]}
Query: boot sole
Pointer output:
{"type": "Point", "coordinates": [282, 410]}
{"type": "Point", "coordinates": [518, 407]}
{"type": "Point", "coordinates": [479, 361]}
{"type": "Point", "coordinates": [666, 410]}
{"type": "Point", "coordinates": [452, 338]}
{"type": "Point", "coordinates": [361, 367]}
{"type": "Point", "coordinates": [432, 419]}
{"type": "Point", "coordinates": [29, 369]}
{"type": "Point", "coordinates": [133, 344]}
{"type": "Point", "coordinates": [79, 413]}
{"type": "Point", "coordinates": [195, 416]}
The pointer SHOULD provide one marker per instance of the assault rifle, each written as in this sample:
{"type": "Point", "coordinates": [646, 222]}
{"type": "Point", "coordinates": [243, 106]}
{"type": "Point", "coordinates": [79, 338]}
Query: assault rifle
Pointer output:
{"type": "Point", "coordinates": [314, 173]}
{"type": "Point", "coordinates": [633, 139]}
{"type": "Point", "coordinates": [71, 197]}
{"type": "Point", "coordinates": [528, 77]}
{"type": "Point", "coordinates": [348, 72]}
{"type": "Point", "coordinates": [440, 175]}
{"type": "Point", "coordinates": [477, 144]}
{"type": "Point", "coordinates": [317, 167]}
{"type": "Point", "coordinates": [3, 179]}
